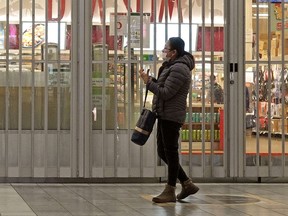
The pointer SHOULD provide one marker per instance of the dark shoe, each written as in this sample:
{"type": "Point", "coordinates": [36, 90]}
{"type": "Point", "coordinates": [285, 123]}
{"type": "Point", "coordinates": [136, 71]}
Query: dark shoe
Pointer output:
{"type": "Point", "coordinates": [188, 188]}
{"type": "Point", "coordinates": [168, 195]}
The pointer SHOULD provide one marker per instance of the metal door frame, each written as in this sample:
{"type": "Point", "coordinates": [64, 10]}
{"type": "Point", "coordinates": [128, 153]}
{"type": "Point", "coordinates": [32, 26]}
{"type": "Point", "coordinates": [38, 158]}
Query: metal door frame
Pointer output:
{"type": "Point", "coordinates": [234, 80]}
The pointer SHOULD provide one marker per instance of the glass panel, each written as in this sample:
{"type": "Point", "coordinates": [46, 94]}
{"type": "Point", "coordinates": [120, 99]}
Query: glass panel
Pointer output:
{"type": "Point", "coordinates": [127, 90]}
{"type": "Point", "coordinates": [31, 36]}
{"type": "Point", "coordinates": [52, 108]}
{"type": "Point", "coordinates": [264, 27]}
{"type": "Point", "coordinates": [2, 37]}
{"type": "Point", "coordinates": [267, 84]}
{"type": "Point", "coordinates": [13, 108]}
{"type": "Point", "coordinates": [3, 102]}
{"type": "Point", "coordinates": [256, 30]}
{"type": "Point", "coordinates": [270, 111]}
{"type": "Point", "coordinates": [98, 102]}
{"type": "Point", "coordinates": [65, 111]}
{"type": "Point", "coordinates": [26, 108]}
{"type": "Point", "coordinates": [39, 108]}
{"type": "Point", "coordinates": [52, 147]}
{"type": "Point", "coordinates": [66, 54]}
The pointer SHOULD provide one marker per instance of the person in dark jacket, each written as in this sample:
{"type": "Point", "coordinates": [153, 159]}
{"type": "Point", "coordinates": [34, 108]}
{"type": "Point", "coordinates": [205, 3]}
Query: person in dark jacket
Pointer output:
{"type": "Point", "coordinates": [170, 91]}
{"type": "Point", "coordinates": [218, 92]}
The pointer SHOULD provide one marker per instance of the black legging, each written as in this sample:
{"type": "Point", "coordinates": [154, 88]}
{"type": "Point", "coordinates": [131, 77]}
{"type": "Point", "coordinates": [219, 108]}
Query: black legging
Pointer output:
{"type": "Point", "coordinates": [167, 148]}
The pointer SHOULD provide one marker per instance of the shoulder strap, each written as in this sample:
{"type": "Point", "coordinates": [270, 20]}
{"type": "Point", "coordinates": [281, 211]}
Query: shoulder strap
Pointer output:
{"type": "Point", "coordinates": [145, 97]}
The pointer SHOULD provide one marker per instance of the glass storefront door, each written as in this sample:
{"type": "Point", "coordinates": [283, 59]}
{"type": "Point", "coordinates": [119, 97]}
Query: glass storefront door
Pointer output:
{"type": "Point", "coordinates": [35, 89]}
{"type": "Point", "coordinates": [266, 81]}
{"type": "Point", "coordinates": [71, 93]}
{"type": "Point", "coordinates": [129, 35]}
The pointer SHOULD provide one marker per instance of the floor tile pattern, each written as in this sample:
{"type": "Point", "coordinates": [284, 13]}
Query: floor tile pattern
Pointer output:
{"type": "Point", "coordinates": [135, 200]}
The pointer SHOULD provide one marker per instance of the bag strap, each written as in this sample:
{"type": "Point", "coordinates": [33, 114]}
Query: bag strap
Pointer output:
{"type": "Point", "coordinates": [145, 97]}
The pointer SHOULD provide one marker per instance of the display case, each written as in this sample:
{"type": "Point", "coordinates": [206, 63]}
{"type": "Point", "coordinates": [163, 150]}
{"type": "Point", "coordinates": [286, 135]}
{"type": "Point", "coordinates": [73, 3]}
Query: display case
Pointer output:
{"type": "Point", "coordinates": [205, 126]}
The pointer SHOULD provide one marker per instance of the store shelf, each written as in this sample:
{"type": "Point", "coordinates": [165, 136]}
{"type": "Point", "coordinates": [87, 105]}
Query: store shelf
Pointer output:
{"type": "Point", "coordinates": [199, 152]}
{"type": "Point", "coordinates": [198, 145]}
{"type": "Point", "coordinates": [209, 134]}
{"type": "Point", "coordinates": [273, 134]}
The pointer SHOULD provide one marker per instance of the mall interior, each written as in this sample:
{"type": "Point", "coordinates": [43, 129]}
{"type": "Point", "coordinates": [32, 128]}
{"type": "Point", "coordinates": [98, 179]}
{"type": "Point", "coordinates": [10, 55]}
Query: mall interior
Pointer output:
{"type": "Point", "coordinates": [70, 96]}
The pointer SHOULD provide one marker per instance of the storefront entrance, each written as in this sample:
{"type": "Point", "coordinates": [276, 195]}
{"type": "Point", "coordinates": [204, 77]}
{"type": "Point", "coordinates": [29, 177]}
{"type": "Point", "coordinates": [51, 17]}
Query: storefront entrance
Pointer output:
{"type": "Point", "coordinates": [134, 34]}
{"type": "Point", "coordinates": [71, 94]}
{"type": "Point", "coordinates": [266, 81]}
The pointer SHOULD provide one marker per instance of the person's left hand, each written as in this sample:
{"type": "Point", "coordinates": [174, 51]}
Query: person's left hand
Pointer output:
{"type": "Point", "coordinates": [144, 75]}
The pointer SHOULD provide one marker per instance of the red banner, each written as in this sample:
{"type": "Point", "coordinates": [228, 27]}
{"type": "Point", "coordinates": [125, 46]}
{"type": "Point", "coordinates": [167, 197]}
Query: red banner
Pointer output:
{"type": "Point", "coordinates": [171, 5]}
{"type": "Point", "coordinates": [50, 9]}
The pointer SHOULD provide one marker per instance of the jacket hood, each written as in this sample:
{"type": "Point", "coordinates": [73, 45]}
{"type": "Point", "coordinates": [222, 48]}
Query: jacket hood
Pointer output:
{"type": "Point", "coordinates": [186, 59]}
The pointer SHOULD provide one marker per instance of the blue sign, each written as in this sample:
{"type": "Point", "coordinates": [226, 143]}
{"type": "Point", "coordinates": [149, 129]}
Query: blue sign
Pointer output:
{"type": "Point", "coordinates": [272, 1]}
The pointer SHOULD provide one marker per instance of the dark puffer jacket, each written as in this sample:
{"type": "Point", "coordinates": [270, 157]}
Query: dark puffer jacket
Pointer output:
{"type": "Point", "coordinates": [171, 88]}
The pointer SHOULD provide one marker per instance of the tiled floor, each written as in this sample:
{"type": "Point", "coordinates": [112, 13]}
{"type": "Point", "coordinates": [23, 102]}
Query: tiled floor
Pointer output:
{"type": "Point", "coordinates": [135, 200]}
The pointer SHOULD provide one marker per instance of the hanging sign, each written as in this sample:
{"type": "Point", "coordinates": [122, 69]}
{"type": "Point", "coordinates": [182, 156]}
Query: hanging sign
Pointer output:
{"type": "Point", "coordinates": [121, 24]}
{"type": "Point", "coordinates": [135, 23]}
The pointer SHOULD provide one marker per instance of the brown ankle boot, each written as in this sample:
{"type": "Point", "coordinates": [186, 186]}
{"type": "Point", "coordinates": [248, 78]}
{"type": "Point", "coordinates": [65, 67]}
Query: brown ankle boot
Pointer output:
{"type": "Point", "coordinates": [188, 188]}
{"type": "Point", "coordinates": [168, 195]}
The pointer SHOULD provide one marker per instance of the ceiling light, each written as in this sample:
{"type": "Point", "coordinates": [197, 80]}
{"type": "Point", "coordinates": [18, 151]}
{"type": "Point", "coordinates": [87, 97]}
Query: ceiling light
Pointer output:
{"type": "Point", "coordinates": [260, 6]}
{"type": "Point", "coordinates": [261, 15]}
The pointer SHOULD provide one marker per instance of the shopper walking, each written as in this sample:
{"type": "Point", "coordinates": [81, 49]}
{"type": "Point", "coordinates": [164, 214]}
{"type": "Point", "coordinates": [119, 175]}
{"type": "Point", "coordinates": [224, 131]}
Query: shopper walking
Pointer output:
{"type": "Point", "coordinates": [170, 91]}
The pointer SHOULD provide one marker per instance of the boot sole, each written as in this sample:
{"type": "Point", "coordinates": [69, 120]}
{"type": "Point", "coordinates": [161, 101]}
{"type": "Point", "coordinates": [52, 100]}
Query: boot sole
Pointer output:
{"type": "Point", "coordinates": [155, 200]}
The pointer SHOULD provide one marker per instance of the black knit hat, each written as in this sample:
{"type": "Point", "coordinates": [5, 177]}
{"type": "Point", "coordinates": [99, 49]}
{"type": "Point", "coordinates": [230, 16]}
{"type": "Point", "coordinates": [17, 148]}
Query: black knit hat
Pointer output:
{"type": "Point", "coordinates": [177, 44]}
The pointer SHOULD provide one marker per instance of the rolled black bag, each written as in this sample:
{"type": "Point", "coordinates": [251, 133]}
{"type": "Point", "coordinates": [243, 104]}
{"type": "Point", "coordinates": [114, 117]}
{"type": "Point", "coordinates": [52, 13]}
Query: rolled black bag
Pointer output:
{"type": "Point", "coordinates": [144, 125]}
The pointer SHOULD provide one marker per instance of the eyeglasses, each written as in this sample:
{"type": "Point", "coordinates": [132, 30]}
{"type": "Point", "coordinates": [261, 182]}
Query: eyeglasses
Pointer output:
{"type": "Point", "coordinates": [165, 48]}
